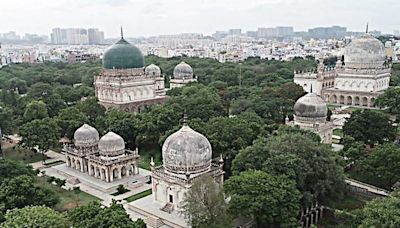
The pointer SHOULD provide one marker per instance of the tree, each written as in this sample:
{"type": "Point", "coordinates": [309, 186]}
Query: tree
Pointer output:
{"type": "Point", "coordinates": [93, 215]}
{"type": "Point", "coordinates": [69, 120]}
{"type": "Point", "coordinates": [390, 99]}
{"type": "Point", "coordinates": [35, 110]}
{"type": "Point", "coordinates": [41, 134]}
{"type": "Point", "coordinates": [273, 201]}
{"type": "Point", "coordinates": [17, 85]}
{"type": "Point", "coordinates": [228, 135]}
{"type": "Point", "coordinates": [92, 109]}
{"type": "Point", "coordinates": [199, 101]}
{"type": "Point", "coordinates": [310, 164]}
{"type": "Point", "coordinates": [40, 90]}
{"type": "Point", "coordinates": [35, 216]}
{"type": "Point", "coordinates": [123, 123]}
{"type": "Point", "coordinates": [370, 127]}
{"type": "Point", "coordinates": [11, 168]}
{"type": "Point", "coordinates": [6, 120]}
{"type": "Point", "coordinates": [205, 206]}
{"type": "Point", "coordinates": [380, 212]}
{"type": "Point", "coordinates": [382, 166]}
{"type": "Point", "coordinates": [20, 191]}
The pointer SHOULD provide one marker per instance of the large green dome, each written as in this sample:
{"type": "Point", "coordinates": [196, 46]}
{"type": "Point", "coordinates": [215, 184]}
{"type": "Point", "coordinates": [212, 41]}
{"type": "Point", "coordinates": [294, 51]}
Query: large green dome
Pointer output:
{"type": "Point", "coordinates": [123, 55]}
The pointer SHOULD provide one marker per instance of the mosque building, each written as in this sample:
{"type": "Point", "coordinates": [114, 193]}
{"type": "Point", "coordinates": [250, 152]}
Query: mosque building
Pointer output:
{"type": "Point", "coordinates": [357, 81]}
{"type": "Point", "coordinates": [310, 113]}
{"type": "Point", "coordinates": [187, 156]}
{"type": "Point", "coordinates": [125, 83]}
{"type": "Point", "coordinates": [105, 158]}
{"type": "Point", "coordinates": [183, 74]}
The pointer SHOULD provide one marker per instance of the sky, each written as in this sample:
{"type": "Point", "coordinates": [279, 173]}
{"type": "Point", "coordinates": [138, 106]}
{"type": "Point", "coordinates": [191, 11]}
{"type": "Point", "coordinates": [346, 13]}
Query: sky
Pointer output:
{"type": "Point", "coordinates": [156, 17]}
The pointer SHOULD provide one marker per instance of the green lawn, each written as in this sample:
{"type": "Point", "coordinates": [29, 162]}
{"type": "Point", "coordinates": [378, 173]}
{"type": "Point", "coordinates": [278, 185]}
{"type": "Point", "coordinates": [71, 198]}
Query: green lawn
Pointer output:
{"type": "Point", "coordinates": [138, 196]}
{"type": "Point", "coordinates": [68, 199]}
{"type": "Point", "coordinates": [338, 132]}
{"type": "Point", "coordinates": [22, 154]}
{"type": "Point", "coordinates": [145, 157]}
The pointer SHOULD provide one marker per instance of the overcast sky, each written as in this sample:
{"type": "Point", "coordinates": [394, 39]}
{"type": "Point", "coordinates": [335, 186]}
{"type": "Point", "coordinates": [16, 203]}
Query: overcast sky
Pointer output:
{"type": "Point", "coordinates": [154, 17]}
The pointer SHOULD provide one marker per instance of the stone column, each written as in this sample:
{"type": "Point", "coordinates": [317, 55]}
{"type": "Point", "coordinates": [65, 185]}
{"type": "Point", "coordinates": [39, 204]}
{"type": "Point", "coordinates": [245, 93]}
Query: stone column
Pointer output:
{"type": "Point", "coordinates": [90, 170]}
{"type": "Point", "coordinates": [107, 176]}
{"type": "Point", "coordinates": [120, 172]}
{"type": "Point", "coordinates": [136, 169]}
{"type": "Point", "coordinates": [82, 166]}
{"type": "Point", "coordinates": [112, 175]}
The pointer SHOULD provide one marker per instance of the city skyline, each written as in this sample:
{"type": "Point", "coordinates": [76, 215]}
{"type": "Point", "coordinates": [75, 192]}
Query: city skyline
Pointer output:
{"type": "Point", "coordinates": [155, 17]}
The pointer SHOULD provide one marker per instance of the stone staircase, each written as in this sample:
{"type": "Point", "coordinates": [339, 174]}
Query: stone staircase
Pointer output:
{"type": "Point", "coordinates": [153, 222]}
{"type": "Point", "coordinates": [168, 208]}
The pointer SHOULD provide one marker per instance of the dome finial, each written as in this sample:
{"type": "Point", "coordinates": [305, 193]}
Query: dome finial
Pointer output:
{"type": "Point", "coordinates": [366, 30]}
{"type": "Point", "coordinates": [122, 33]}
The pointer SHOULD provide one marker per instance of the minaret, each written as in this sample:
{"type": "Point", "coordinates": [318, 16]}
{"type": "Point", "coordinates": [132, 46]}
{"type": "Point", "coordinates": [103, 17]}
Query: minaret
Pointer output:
{"type": "Point", "coordinates": [366, 30]}
{"type": "Point", "coordinates": [122, 34]}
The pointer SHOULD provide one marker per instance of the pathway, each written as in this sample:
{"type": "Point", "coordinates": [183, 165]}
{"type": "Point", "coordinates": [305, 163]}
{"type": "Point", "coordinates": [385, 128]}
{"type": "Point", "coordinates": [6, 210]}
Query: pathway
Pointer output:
{"type": "Point", "coordinates": [370, 188]}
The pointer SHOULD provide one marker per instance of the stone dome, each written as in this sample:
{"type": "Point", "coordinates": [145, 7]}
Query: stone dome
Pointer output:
{"type": "Point", "coordinates": [111, 144]}
{"type": "Point", "coordinates": [123, 55]}
{"type": "Point", "coordinates": [153, 70]}
{"type": "Point", "coordinates": [183, 71]}
{"type": "Point", "coordinates": [310, 106]}
{"type": "Point", "coordinates": [365, 52]}
{"type": "Point", "coordinates": [186, 152]}
{"type": "Point", "coordinates": [86, 136]}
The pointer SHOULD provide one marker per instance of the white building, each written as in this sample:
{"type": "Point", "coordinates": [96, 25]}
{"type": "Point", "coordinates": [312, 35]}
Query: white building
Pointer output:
{"type": "Point", "coordinates": [310, 113]}
{"type": "Point", "coordinates": [125, 83]}
{"type": "Point", "coordinates": [183, 74]}
{"type": "Point", "coordinates": [187, 156]}
{"type": "Point", "coordinates": [358, 81]}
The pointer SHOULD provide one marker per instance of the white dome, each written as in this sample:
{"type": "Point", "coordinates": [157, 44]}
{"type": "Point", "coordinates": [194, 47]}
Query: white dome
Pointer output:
{"type": "Point", "coordinates": [365, 52]}
{"type": "Point", "coordinates": [111, 144]}
{"type": "Point", "coordinates": [186, 152]}
{"type": "Point", "coordinates": [153, 70]}
{"type": "Point", "coordinates": [310, 106]}
{"type": "Point", "coordinates": [86, 136]}
{"type": "Point", "coordinates": [183, 71]}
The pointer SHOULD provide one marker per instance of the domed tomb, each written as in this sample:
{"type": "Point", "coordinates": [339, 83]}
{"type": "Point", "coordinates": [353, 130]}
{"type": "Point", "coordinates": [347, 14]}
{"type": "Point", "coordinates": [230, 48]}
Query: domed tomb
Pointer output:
{"type": "Point", "coordinates": [153, 70]}
{"type": "Point", "coordinates": [186, 152]}
{"type": "Point", "coordinates": [86, 136]}
{"type": "Point", "coordinates": [183, 71]}
{"type": "Point", "coordinates": [111, 145]}
{"type": "Point", "coordinates": [123, 55]}
{"type": "Point", "coordinates": [365, 52]}
{"type": "Point", "coordinates": [310, 106]}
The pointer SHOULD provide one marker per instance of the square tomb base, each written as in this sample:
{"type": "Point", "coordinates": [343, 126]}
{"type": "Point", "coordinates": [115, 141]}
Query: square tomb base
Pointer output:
{"type": "Point", "coordinates": [64, 172]}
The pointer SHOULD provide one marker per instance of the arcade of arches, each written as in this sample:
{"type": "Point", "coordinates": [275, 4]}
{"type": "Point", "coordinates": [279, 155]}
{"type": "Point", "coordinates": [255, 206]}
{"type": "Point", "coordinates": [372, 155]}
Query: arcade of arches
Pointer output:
{"type": "Point", "coordinates": [105, 172]}
{"type": "Point", "coordinates": [362, 100]}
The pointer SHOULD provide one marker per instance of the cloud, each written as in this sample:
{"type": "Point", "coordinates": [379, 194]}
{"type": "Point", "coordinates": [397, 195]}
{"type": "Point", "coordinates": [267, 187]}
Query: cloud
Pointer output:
{"type": "Point", "coordinates": [152, 17]}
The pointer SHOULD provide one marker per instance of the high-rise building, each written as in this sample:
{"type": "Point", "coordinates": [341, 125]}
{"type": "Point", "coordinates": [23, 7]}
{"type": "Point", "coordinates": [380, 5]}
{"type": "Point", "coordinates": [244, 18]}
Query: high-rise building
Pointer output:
{"type": "Point", "coordinates": [284, 31]}
{"type": "Point", "coordinates": [327, 32]}
{"type": "Point", "coordinates": [95, 36]}
{"type": "Point", "coordinates": [77, 36]}
{"type": "Point", "coordinates": [236, 32]}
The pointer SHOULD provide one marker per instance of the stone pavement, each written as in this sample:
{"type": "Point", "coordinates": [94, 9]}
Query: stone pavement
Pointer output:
{"type": "Point", "coordinates": [53, 157]}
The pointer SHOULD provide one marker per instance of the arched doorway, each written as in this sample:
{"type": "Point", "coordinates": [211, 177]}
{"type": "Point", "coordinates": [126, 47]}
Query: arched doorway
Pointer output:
{"type": "Point", "coordinates": [372, 102]}
{"type": "Point", "coordinates": [123, 171]}
{"type": "Point", "coordinates": [341, 99]}
{"type": "Point", "coordinates": [91, 170]}
{"type": "Point", "coordinates": [349, 100]}
{"type": "Point", "coordinates": [334, 99]}
{"type": "Point", "coordinates": [78, 165]}
{"type": "Point", "coordinates": [357, 101]}
{"type": "Point", "coordinates": [364, 101]}
{"type": "Point", "coordinates": [103, 174]}
{"type": "Point", "coordinates": [97, 173]}
{"type": "Point", "coordinates": [115, 173]}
